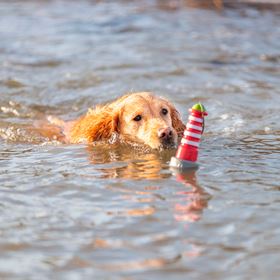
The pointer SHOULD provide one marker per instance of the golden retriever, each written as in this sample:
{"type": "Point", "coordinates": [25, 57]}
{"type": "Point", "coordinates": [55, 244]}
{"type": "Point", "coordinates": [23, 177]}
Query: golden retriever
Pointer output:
{"type": "Point", "coordinates": [138, 117]}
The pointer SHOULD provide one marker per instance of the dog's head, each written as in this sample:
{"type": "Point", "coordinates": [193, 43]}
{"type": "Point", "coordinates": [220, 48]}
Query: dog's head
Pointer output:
{"type": "Point", "coordinates": [138, 117]}
{"type": "Point", "coordinates": [148, 119]}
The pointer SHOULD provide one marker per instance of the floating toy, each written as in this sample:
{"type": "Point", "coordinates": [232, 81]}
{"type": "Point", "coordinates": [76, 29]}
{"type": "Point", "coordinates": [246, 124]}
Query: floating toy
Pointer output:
{"type": "Point", "coordinates": [187, 153]}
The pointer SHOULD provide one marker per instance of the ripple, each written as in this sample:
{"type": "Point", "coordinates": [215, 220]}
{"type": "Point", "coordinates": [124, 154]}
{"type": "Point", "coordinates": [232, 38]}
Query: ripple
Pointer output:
{"type": "Point", "coordinates": [147, 211]}
{"type": "Point", "coordinates": [86, 81]}
{"type": "Point", "coordinates": [270, 58]}
{"type": "Point", "coordinates": [13, 83]}
{"type": "Point", "coordinates": [140, 265]}
{"type": "Point", "coordinates": [40, 64]}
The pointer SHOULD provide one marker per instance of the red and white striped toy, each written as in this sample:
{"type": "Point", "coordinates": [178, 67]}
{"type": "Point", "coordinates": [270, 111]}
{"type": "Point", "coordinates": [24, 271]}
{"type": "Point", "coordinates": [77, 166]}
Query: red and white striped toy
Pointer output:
{"type": "Point", "coordinates": [187, 153]}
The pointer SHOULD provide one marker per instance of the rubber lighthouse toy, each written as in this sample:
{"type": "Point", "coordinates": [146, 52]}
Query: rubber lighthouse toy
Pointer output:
{"type": "Point", "coordinates": [187, 153]}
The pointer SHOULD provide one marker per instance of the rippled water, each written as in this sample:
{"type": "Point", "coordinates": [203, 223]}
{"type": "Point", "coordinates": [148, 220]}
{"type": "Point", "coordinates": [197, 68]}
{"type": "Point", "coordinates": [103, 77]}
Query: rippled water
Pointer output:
{"type": "Point", "coordinates": [114, 212]}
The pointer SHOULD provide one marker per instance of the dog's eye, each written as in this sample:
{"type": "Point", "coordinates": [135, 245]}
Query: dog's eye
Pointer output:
{"type": "Point", "coordinates": [137, 118]}
{"type": "Point", "coordinates": [164, 111]}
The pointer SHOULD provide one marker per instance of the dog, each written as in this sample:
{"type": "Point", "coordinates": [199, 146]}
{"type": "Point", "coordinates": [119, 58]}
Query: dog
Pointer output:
{"type": "Point", "coordinates": [140, 117]}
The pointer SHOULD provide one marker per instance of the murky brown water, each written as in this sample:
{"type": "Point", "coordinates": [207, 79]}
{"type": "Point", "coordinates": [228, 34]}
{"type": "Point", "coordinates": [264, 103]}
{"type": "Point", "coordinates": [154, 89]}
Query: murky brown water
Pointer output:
{"type": "Point", "coordinates": [110, 212]}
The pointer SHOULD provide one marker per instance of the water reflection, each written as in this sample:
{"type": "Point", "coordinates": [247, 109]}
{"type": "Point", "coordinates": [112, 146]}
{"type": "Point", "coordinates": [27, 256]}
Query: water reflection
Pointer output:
{"type": "Point", "coordinates": [204, 4]}
{"type": "Point", "coordinates": [124, 161]}
{"type": "Point", "coordinates": [192, 201]}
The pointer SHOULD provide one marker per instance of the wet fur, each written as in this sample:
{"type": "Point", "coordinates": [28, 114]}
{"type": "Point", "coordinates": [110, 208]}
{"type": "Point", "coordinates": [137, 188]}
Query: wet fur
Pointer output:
{"type": "Point", "coordinates": [103, 121]}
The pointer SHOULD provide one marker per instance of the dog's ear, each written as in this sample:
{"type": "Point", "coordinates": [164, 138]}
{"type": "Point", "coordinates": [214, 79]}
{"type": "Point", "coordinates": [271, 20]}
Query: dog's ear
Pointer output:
{"type": "Point", "coordinates": [177, 123]}
{"type": "Point", "coordinates": [96, 126]}
{"type": "Point", "coordinates": [105, 126]}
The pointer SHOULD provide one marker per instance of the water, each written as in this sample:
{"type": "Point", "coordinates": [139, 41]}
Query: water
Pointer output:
{"type": "Point", "coordinates": [114, 212]}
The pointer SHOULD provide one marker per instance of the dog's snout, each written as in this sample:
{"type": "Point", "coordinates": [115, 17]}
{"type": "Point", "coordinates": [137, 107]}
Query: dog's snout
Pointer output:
{"type": "Point", "coordinates": [165, 133]}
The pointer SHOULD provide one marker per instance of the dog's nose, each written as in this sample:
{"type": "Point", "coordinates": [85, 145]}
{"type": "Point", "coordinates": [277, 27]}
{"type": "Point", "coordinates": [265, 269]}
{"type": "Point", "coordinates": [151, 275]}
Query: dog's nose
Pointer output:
{"type": "Point", "coordinates": [165, 133]}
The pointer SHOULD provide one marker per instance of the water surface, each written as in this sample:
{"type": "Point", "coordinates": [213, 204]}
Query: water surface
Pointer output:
{"type": "Point", "coordinates": [115, 212]}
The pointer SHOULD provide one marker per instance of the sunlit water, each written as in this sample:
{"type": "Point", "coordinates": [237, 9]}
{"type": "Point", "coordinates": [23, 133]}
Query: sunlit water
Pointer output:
{"type": "Point", "coordinates": [116, 212]}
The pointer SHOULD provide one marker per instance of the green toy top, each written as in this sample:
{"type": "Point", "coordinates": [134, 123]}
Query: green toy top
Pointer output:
{"type": "Point", "coordinates": [199, 107]}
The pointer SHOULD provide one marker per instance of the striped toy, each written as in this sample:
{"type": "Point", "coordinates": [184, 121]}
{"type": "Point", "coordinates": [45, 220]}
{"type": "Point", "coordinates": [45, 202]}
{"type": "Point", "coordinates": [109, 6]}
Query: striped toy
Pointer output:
{"type": "Point", "coordinates": [187, 153]}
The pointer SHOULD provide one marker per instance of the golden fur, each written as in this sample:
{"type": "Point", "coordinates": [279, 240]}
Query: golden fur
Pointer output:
{"type": "Point", "coordinates": [159, 125]}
